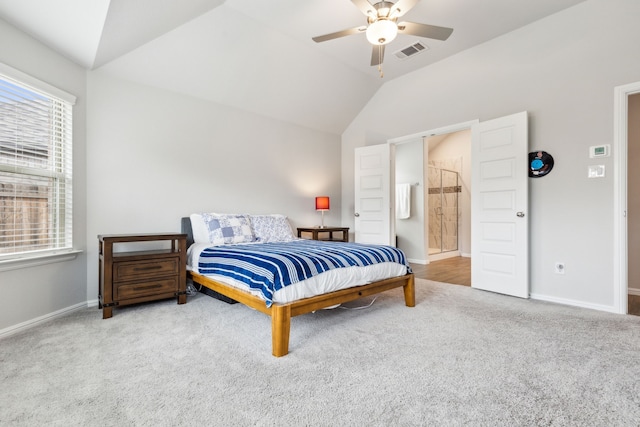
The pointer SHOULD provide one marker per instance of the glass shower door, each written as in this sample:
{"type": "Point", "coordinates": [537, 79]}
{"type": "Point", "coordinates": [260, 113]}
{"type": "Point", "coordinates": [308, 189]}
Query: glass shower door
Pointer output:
{"type": "Point", "coordinates": [443, 210]}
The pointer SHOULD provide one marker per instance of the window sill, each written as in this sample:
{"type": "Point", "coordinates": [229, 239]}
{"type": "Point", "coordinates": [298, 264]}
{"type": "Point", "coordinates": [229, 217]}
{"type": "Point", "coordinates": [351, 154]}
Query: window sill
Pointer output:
{"type": "Point", "coordinates": [33, 261]}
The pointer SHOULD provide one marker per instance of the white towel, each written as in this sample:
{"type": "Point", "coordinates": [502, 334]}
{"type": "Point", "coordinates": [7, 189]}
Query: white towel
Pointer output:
{"type": "Point", "coordinates": [403, 201]}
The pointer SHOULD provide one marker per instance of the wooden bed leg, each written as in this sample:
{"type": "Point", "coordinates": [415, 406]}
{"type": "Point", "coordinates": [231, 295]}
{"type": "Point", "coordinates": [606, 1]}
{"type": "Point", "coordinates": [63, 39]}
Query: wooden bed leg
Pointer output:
{"type": "Point", "coordinates": [280, 328]}
{"type": "Point", "coordinates": [410, 292]}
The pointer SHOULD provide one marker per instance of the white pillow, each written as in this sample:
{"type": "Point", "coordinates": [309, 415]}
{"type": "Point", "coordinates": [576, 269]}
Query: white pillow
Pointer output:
{"type": "Point", "coordinates": [271, 228]}
{"type": "Point", "coordinates": [221, 229]}
{"type": "Point", "coordinates": [199, 229]}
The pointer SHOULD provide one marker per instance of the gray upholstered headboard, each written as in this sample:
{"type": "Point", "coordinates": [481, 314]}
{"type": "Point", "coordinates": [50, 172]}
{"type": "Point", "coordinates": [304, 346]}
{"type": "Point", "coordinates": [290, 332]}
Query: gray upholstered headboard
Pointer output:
{"type": "Point", "coordinates": [185, 227]}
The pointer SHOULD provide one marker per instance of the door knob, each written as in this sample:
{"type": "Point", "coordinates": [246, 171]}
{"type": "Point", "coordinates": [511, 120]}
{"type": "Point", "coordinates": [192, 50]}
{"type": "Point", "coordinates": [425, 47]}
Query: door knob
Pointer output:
{"type": "Point", "coordinates": [520, 214]}
{"type": "Point", "coordinates": [357, 214]}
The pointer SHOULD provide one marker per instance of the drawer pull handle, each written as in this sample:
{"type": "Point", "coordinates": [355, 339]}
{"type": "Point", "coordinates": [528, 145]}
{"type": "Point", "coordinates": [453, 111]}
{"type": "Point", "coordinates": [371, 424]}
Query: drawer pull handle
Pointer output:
{"type": "Point", "coordinates": [151, 267]}
{"type": "Point", "coordinates": [142, 288]}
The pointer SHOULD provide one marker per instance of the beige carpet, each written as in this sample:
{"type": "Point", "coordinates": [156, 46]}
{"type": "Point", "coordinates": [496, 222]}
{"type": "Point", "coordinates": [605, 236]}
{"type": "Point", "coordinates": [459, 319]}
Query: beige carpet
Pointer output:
{"type": "Point", "coordinates": [460, 357]}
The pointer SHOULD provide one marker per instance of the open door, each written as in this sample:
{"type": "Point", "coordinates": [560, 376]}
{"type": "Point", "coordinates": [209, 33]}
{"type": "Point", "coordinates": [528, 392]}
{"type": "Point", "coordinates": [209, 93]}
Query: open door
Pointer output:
{"type": "Point", "coordinates": [499, 205]}
{"type": "Point", "coordinates": [372, 195]}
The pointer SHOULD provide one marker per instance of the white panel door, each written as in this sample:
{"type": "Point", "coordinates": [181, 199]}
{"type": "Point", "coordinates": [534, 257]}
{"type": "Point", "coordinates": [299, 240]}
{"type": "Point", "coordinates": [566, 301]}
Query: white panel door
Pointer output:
{"type": "Point", "coordinates": [499, 198]}
{"type": "Point", "coordinates": [372, 194]}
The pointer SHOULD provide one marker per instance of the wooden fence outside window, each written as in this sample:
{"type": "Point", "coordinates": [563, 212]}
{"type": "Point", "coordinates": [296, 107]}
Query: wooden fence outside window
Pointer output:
{"type": "Point", "coordinates": [24, 217]}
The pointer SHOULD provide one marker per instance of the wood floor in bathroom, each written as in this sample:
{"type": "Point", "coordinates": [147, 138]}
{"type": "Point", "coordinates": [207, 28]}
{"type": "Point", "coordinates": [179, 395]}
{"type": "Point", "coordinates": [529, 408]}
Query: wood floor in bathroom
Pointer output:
{"type": "Point", "coordinates": [457, 271]}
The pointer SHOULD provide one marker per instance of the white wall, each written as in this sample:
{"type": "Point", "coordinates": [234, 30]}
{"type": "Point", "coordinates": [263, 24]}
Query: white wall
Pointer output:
{"type": "Point", "coordinates": [410, 232]}
{"type": "Point", "coordinates": [154, 156]}
{"type": "Point", "coordinates": [562, 70]}
{"type": "Point", "coordinates": [35, 292]}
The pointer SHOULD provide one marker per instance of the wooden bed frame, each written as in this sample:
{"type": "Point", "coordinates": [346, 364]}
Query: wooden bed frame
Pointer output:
{"type": "Point", "coordinates": [281, 314]}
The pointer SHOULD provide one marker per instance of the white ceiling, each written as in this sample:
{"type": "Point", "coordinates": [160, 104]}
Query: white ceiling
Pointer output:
{"type": "Point", "coordinates": [258, 55]}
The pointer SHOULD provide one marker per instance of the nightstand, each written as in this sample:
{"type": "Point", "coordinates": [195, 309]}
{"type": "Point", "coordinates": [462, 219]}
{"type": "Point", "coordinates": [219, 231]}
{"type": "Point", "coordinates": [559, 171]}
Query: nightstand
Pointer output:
{"type": "Point", "coordinates": [316, 231]}
{"type": "Point", "coordinates": [141, 275]}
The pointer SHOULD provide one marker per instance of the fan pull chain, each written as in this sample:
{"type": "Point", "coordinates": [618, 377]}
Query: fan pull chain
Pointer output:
{"type": "Point", "coordinates": [380, 61]}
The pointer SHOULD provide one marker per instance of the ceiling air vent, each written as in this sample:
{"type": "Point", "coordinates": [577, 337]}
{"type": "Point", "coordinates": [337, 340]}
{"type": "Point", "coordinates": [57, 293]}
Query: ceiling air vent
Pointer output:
{"type": "Point", "coordinates": [408, 51]}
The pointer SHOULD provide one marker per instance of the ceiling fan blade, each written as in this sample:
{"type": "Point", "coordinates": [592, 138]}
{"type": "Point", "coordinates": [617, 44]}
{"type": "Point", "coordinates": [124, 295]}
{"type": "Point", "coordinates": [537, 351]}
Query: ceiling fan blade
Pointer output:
{"type": "Point", "coordinates": [339, 34]}
{"type": "Point", "coordinates": [365, 7]}
{"type": "Point", "coordinates": [401, 7]}
{"type": "Point", "coordinates": [377, 55]}
{"type": "Point", "coordinates": [424, 30]}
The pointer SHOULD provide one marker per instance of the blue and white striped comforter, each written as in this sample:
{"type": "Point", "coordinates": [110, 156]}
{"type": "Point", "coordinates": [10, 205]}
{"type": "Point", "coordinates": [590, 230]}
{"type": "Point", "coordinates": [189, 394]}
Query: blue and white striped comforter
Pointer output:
{"type": "Point", "coordinates": [268, 267]}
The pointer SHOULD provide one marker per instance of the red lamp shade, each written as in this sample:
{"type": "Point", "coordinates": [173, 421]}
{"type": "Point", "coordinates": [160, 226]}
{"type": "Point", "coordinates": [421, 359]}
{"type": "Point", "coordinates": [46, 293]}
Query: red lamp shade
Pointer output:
{"type": "Point", "coordinates": [322, 203]}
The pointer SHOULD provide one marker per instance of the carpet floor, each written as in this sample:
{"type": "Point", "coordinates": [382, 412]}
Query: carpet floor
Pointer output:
{"type": "Point", "coordinates": [460, 357]}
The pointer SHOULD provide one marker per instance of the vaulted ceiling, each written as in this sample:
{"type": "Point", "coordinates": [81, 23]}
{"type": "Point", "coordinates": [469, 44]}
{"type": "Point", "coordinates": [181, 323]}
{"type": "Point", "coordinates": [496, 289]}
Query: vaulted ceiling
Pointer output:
{"type": "Point", "coordinates": [258, 55]}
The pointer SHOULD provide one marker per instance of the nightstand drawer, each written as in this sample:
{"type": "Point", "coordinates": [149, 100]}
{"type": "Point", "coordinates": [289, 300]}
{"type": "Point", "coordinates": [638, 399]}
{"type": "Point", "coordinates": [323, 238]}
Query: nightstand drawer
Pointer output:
{"type": "Point", "coordinates": [123, 271]}
{"type": "Point", "coordinates": [151, 287]}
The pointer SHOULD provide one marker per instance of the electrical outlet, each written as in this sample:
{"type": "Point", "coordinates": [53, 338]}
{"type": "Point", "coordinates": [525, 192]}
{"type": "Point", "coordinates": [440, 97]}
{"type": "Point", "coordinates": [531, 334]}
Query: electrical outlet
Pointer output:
{"type": "Point", "coordinates": [559, 267]}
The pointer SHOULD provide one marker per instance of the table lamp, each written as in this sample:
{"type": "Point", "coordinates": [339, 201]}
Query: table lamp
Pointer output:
{"type": "Point", "coordinates": [322, 205]}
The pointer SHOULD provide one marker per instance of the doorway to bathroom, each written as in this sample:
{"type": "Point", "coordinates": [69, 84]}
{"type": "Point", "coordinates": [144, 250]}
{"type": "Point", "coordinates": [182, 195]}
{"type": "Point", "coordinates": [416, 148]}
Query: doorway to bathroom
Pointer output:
{"type": "Point", "coordinates": [448, 198]}
{"type": "Point", "coordinates": [437, 170]}
{"type": "Point", "coordinates": [436, 234]}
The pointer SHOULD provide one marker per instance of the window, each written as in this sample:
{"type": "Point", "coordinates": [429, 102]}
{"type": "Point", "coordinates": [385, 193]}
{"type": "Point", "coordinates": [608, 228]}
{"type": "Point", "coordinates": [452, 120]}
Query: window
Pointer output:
{"type": "Point", "coordinates": [35, 167]}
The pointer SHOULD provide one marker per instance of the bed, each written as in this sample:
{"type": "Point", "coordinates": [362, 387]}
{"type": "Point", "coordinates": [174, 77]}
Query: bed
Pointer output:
{"type": "Point", "coordinates": [255, 260]}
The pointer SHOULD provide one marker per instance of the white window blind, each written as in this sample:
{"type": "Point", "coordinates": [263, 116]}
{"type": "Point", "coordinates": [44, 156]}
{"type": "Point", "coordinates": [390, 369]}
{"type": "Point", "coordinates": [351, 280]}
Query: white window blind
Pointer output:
{"type": "Point", "coordinates": [35, 166]}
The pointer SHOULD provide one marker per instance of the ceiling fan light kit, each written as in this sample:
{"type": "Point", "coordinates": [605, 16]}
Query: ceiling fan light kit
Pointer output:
{"type": "Point", "coordinates": [383, 27]}
{"type": "Point", "coordinates": [382, 32]}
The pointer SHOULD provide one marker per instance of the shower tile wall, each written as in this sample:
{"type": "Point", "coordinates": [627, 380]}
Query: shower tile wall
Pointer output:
{"type": "Point", "coordinates": [443, 234]}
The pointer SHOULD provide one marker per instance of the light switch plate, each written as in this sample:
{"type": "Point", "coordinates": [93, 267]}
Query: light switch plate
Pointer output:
{"type": "Point", "coordinates": [596, 171]}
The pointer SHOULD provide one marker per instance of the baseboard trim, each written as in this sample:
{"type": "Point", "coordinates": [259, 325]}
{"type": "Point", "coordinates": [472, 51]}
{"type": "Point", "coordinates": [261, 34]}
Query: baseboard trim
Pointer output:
{"type": "Point", "coordinates": [431, 258]}
{"type": "Point", "coordinates": [575, 303]}
{"type": "Point", "coordinates": [444, 255]}
{"type": "Point", "coordinates": [632, 291]}
{"type": "Point", "coordinates": [40, 320]}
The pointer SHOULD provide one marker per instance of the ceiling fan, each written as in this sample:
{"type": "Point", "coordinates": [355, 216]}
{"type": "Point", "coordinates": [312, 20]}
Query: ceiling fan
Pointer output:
{"type": "Point", "coordinates": [383, 26]}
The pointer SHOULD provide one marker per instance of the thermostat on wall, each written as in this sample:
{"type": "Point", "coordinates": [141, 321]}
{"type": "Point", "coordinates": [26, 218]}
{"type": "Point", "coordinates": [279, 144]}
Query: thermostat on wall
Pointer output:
{"type": "Point", "coordinates": [599, 150]}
